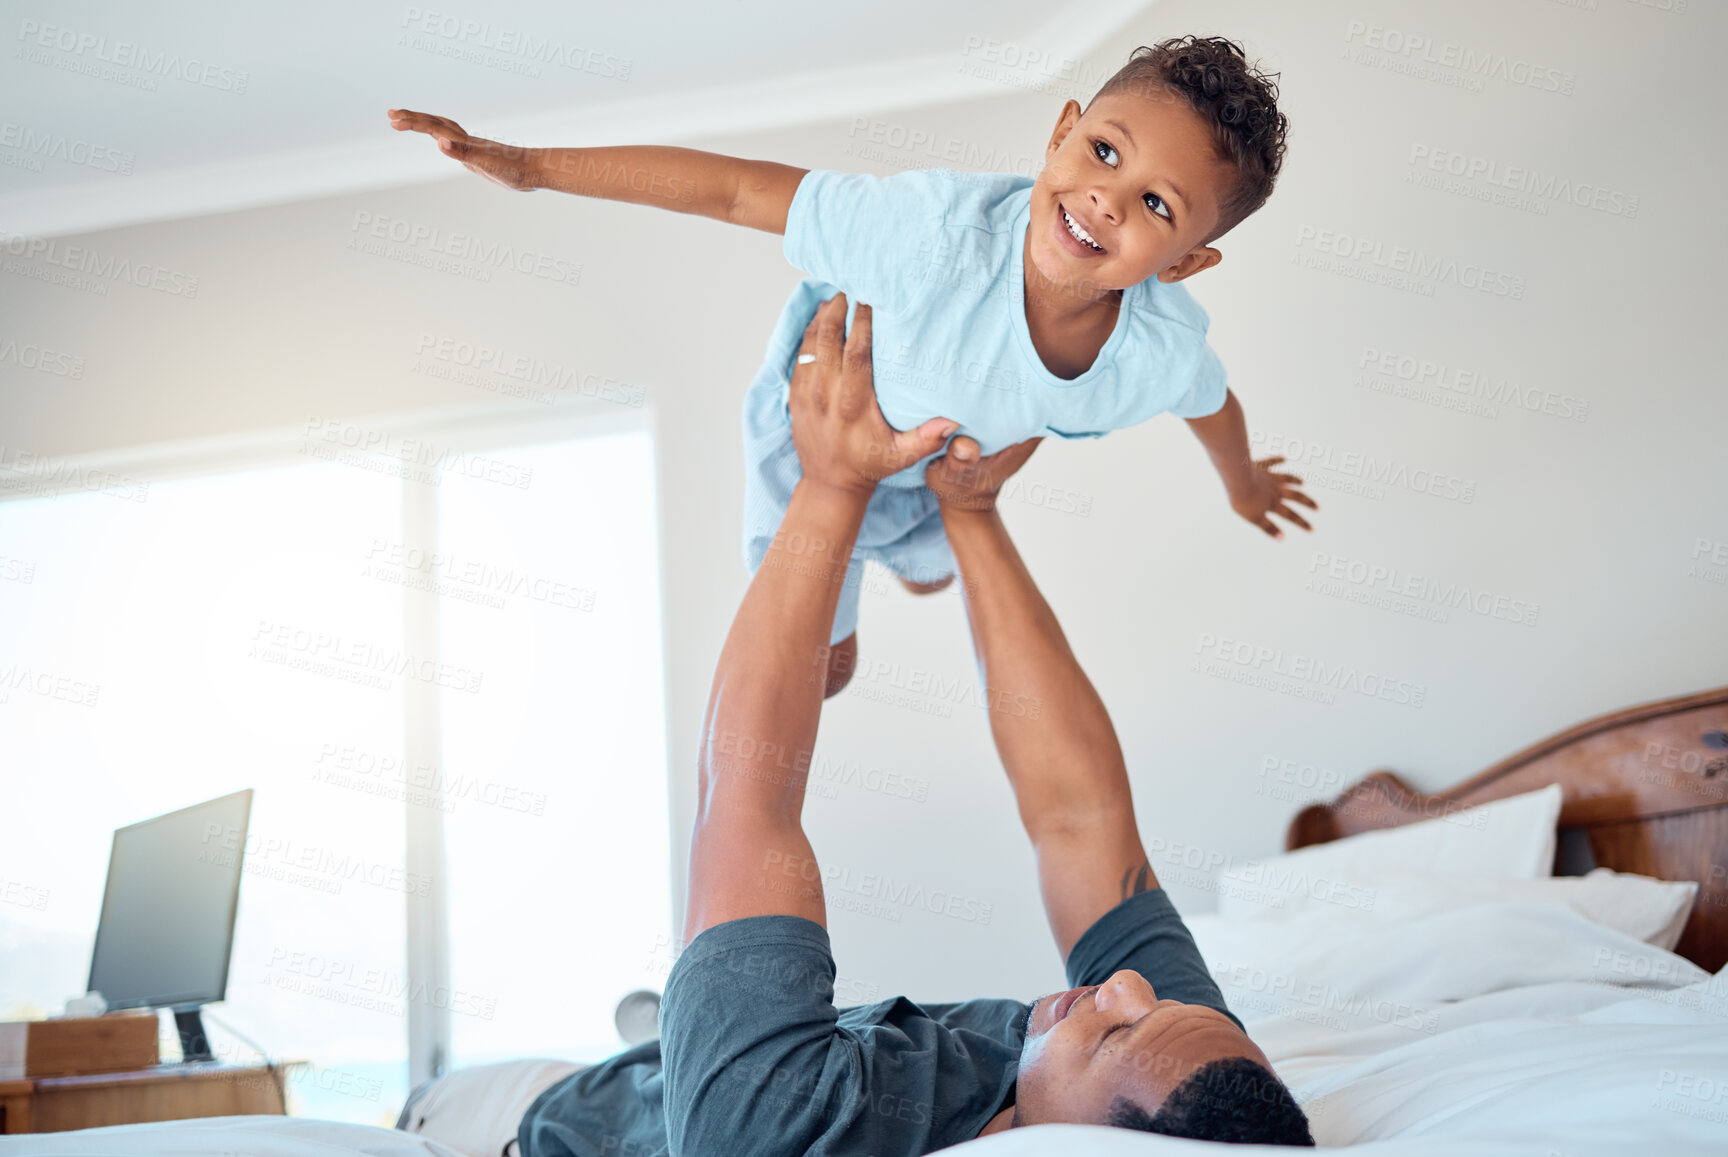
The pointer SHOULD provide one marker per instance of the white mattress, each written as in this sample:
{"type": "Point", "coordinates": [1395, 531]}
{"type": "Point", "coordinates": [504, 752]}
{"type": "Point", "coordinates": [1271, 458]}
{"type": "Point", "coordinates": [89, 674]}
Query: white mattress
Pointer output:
{"type": "Point", "coordinates": [1491, 1029]}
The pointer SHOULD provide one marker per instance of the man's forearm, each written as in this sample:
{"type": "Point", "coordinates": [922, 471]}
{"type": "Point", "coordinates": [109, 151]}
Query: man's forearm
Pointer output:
{"type": "Point", "coordinates": [1225, 436]}
{"type": "Point", "coordinates": [760, 730]}
{"type": "Point", "coordinates": [757, 194]}
{"type": "Point", "coordinates": [1062, 756]}
{"type": "Point", "coordinates": [769, 681]}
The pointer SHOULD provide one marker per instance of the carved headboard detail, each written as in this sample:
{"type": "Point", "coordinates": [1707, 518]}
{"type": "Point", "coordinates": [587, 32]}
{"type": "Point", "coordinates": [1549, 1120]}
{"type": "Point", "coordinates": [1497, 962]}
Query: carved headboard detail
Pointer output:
{"type": "Point", "coordinates": [1646, 791]}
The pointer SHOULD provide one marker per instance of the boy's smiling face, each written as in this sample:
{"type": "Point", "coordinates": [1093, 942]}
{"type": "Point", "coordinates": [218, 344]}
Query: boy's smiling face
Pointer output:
{"type": "Point", "coordinates": [1139, 175]}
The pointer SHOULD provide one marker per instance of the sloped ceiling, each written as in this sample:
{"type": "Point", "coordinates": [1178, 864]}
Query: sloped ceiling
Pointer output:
{"type": "Point", "coordinates": [117, 113]}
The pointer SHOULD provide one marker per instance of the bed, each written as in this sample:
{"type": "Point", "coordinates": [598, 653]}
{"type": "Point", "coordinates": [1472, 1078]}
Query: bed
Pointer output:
{"type": "Point", "coordinates": [1548, 980]}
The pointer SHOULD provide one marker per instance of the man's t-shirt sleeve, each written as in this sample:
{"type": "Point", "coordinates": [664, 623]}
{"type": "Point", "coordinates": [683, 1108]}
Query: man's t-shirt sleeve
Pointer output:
{"type": "Point", "coordinates": [1144, 933]}
{"type": "Point", "coordinates": [747, 1039]}
{"type": "Point", "coordinates": [873, 237]}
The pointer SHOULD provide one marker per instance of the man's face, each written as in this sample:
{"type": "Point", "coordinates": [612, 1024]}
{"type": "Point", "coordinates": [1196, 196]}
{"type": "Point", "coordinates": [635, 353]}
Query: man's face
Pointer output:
{"type": "Point", "coordinates": [1139, 174]}
{"type": "Point", "coordinates": [1087, 1046]}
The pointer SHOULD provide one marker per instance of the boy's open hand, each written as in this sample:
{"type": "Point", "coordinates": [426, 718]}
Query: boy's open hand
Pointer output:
{"type": "Point", "coordinates": [843, 441]}
{"type": "Point", "coordinates": [1270, 492]}
{"type": "Point", "coordinates": [508, 165]}
{"type": "Point", "coordinates": [963, 480]}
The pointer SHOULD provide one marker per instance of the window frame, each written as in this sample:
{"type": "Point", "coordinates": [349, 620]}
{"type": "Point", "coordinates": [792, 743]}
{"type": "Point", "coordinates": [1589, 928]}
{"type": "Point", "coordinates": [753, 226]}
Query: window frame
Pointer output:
{"type": "Point", "coordinates": [462, 431]}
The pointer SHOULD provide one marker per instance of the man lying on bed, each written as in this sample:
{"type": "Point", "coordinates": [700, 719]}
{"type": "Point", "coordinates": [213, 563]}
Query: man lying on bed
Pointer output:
{"type": "Point", "coordinates": [753, 1057]}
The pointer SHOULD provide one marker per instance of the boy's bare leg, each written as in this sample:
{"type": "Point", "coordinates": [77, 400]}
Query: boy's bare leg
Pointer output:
{"type": "Point", "coordinates": [919, 588]}
{"type": "Point", "coordinates": [842, 659]}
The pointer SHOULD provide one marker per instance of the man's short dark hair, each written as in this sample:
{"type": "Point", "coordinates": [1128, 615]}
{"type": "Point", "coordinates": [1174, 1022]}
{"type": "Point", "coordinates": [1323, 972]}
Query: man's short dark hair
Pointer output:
{"type": "Point", "coordinates": [1236, 99]}
{"type": "Point", "coordinates": [1228, 1100]}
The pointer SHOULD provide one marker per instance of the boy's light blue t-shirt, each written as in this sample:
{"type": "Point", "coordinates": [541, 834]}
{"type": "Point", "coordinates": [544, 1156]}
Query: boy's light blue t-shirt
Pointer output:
{"type": "Point", "coordinates": [938, 255]}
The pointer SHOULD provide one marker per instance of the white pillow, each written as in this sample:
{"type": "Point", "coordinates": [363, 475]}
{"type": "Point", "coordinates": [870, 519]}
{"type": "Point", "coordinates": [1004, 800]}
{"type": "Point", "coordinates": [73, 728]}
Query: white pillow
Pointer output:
{"type": "Point", "coordinates": [1511, 838]}
{"type": "Point", "coordinates": [1642, 907]}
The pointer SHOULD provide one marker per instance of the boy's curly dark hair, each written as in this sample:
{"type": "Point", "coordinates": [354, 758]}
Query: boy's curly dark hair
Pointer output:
{"type": "Point", "coordinates": [1236, 98]}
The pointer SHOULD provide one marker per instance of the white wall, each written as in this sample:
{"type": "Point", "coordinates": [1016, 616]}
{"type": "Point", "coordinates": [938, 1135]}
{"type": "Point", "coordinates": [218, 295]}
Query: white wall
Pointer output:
{"type": "Point", "coordinates": [1594, 521]}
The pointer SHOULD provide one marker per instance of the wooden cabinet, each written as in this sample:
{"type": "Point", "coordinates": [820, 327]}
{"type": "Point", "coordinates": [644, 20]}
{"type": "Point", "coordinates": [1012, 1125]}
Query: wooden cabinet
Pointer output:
{"type": "Point", "coordinates": [158, 1093]}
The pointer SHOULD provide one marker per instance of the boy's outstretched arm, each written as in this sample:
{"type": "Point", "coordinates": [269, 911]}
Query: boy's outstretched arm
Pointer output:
{"type": "Point", "coordinates": [1256, 490]}
{"type": "Point", "coordinates": [756, 194]}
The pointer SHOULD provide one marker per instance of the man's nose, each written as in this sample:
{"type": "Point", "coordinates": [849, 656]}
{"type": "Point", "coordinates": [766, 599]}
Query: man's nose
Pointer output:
{"type": "Point", "coordinates": [1126, 991]}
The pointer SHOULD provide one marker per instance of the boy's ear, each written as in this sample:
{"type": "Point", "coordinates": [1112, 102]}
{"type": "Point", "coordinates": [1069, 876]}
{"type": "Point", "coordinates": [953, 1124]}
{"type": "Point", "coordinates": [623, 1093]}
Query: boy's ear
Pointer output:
{"type": "Point", "coordinates": [1064, 125]}
{"type": "Point", "coordinates": [1199, 258]}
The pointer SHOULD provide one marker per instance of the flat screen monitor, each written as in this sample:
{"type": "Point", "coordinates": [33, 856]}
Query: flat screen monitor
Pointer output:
{"type": "Point", "coordinates": [167, 926]}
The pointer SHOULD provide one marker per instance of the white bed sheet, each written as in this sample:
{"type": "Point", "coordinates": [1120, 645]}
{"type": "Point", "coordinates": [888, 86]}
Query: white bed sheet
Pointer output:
{"type": "Point", "coordinates": [1491, 1029]}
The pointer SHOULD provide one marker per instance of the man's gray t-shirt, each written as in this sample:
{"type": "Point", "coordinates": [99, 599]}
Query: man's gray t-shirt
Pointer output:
{"type": "Point", "coordinates": [754, 1057]}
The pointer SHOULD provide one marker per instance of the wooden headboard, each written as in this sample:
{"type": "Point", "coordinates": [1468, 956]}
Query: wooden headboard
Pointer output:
{"type": "Point", "coordinates": [1646, 791]}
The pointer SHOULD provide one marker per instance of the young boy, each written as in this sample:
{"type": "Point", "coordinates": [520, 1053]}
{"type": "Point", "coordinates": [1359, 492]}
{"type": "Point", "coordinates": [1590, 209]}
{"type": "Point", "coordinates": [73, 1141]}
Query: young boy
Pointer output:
{"type": "Point", "coordinates": [1015, 308]}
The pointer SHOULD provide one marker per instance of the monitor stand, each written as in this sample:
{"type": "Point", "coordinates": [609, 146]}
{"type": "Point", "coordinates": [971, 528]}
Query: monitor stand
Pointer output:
{"type": "Point", "coordinates": [194, 1045]}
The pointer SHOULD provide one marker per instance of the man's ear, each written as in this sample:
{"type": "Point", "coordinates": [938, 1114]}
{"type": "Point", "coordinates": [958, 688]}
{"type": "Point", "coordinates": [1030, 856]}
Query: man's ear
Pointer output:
{"type": "Point", "coordinates": [1064, 125]}
{"type": "Point", "coordinates": [1196, 259]}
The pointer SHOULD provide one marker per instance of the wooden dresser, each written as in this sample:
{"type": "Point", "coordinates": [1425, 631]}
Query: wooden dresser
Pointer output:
{"type": "Point", "coordinates": [159, 1093]}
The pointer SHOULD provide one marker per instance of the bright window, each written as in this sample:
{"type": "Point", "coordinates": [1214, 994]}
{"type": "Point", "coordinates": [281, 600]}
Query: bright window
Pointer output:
{"type": "Point", "coordinates": [249, 629]}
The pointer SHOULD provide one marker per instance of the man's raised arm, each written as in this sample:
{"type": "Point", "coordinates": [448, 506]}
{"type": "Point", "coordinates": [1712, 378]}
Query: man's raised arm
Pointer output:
{"type": "Point", "coordinates": [749, 855]}
{"type": "Point", "coordinates": [1051, 729]}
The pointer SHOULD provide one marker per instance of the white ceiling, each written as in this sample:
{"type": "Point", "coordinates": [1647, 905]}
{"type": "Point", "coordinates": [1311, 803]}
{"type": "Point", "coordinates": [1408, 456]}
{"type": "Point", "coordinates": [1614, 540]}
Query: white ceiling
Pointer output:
{"type": "Point", "coordinates": [320, 73]}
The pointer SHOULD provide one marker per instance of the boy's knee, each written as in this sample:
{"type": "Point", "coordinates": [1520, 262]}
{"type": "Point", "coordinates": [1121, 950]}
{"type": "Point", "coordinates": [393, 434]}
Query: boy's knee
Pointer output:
{"type": "Point", "coordinates": [842, 659]}
{"type": "Point", "coordinates": [930, 588]}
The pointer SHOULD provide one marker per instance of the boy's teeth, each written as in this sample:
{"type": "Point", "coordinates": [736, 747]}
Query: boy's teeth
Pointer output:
{"type": "Point", "coordinates": [1079, 233]}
